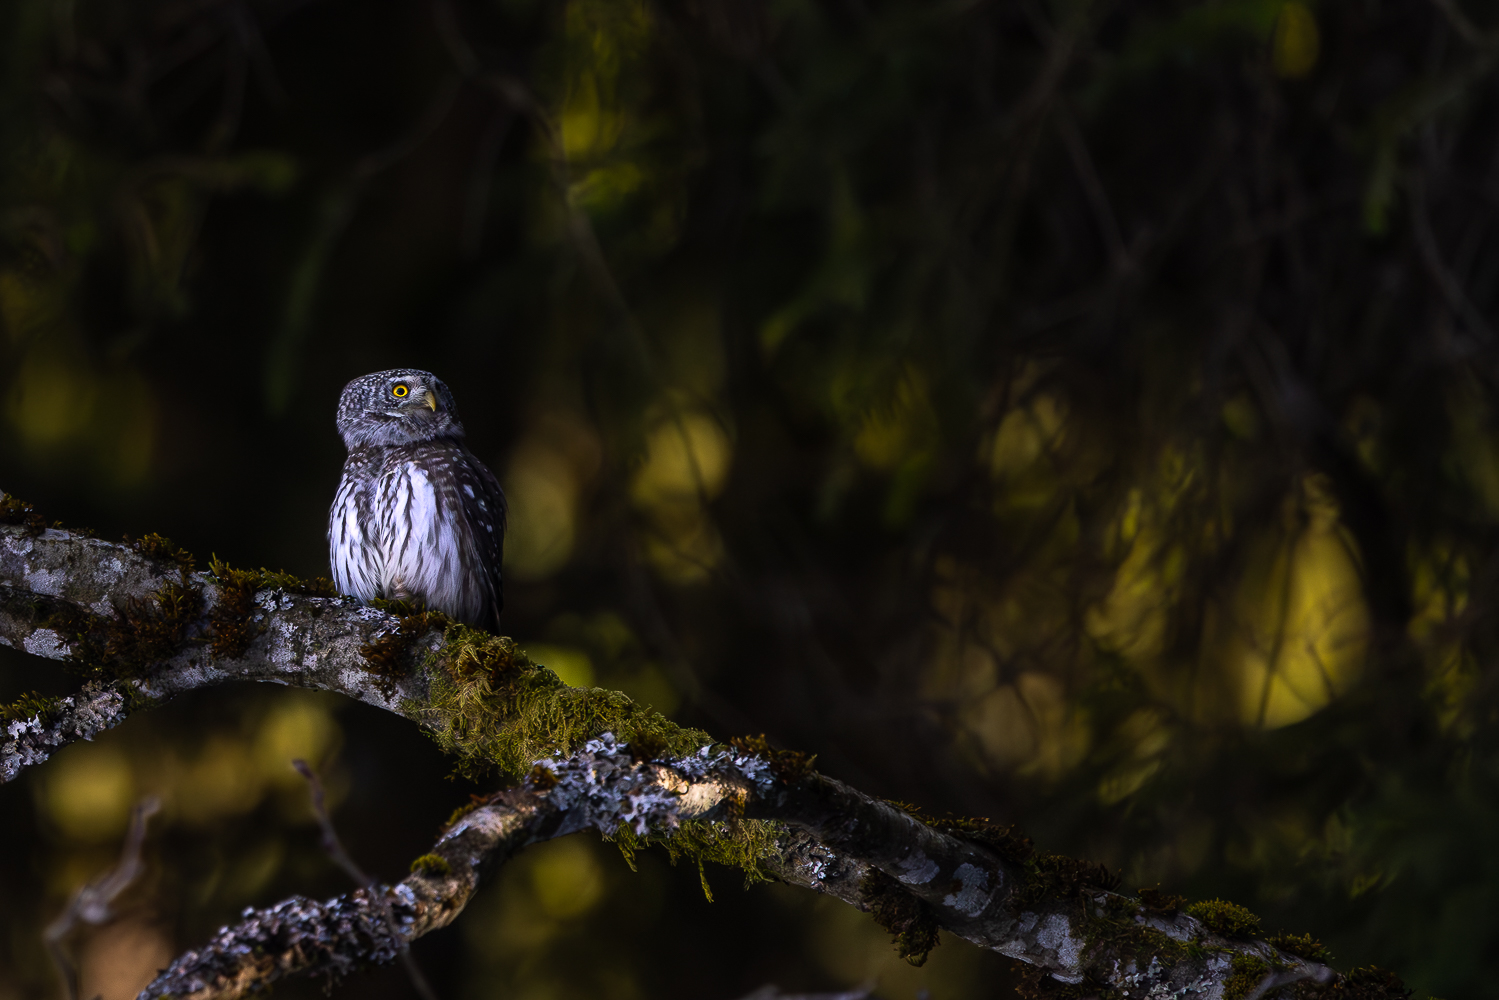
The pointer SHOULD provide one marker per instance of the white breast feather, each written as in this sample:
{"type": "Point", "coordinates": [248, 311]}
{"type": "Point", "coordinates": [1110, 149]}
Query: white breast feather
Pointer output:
{"type": "Point", "coordinates": [415, 551]}
{"type": "Point", "coordinates": [422, 557]}
{"type": "Point", "coordinates": [352, 554]}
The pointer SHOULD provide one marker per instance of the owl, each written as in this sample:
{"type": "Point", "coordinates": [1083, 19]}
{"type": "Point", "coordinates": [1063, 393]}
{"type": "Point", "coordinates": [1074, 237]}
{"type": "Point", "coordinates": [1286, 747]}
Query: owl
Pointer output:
{"type": "Point", "coordinates": [417, 516]}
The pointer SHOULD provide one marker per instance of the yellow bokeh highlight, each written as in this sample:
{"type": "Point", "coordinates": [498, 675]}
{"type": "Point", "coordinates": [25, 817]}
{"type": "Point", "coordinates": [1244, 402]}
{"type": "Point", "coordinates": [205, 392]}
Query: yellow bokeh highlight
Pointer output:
{"type": "Point", "coordinates": [1025, 434]}
{"type": "Point", "coordinates": [573, 665]}
{"type": "Point", "coordinates": [587, 127]}
{"type": "Point", "coordinates": [1300, 625]}
{"type": "Point", "coordinates": [542, 491]}
{"type": "Point", "coordinates": [602, 36]}
{"type": "Point", "coordinates": [88, 791]}
{"type": "Point", "coordinates": [604, 187]}
{"type": "Point", "coordinates": [683, 544]}
{"type": "Point", "coordinates": [1440, 588]}
{"type": "Point", "coordinates": [687, 456]}
{"type": "Point", "coordinates": [1125, 780]}
{"type": "Point", "coordinates": [1029, 726]}
{"type": "Point", "coordinates": [297, 726]}
{"type": "Point", "coordinates": [56, 401]}
{"type": "Point", "coordinates": [216, 782]}
{"type": "Point", "coordinates": [1018, 454]}
{"type": "Point", "coordinates": [1133, 619]}
{"type": "Point", "coordinates": [594, 119]}
{"type": "Point", "coordinates": [131, 422]}
{"type": "Point", "coordinates": [1296, 41]}
{"type": "Point", "coordinates": [252, 868]}
{"type": "Point", "coordinates": [567, 879]}
{"type": "Point", "coordinates": [29, 308]}
{"type": "Point", "coordinates": [902, 430]}
{"type": "Point", "coordinates": [1241, 416]}
{"type": "Point", "coordinates": [650, 687]}
{"type": "Point", "coordinates": [1147, 735]}
{"type": "Point", "coordinates": [686, 463]}
{"type": "Point", "coordinates": [1440, 581]}
{"type": "Point", "coordinates": [51, 399]}
{"type": "Point", "coordinates": [545, 483]}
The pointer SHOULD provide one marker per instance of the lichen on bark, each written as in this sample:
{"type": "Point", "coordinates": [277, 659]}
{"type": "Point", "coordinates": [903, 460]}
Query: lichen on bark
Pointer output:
{"type": "Point", "coordinates": [144, 626]}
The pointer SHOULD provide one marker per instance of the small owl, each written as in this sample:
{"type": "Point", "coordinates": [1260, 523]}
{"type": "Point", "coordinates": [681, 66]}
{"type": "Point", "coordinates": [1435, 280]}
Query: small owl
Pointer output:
{"type": "Point", "coordinates": [417, 516]}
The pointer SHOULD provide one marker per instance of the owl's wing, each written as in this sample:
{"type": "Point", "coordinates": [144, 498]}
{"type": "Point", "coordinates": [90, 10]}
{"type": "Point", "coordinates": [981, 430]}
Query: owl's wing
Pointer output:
{"type": "Point", "coordinates": [484, 510]}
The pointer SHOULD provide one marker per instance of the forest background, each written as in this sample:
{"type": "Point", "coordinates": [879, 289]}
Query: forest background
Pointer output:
{"type": "Point", "coordinates": [1078, 413]}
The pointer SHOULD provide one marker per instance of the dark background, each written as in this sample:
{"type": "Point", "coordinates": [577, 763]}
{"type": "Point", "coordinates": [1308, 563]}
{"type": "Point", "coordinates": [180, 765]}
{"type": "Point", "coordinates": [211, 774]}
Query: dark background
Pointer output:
{"type": "Point", "coordinates": [1077, 414]}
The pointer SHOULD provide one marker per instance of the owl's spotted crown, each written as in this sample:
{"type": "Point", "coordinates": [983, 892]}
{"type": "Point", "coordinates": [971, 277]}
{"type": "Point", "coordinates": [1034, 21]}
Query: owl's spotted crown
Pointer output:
{"type": "Point", "coordinates": [400, 406]}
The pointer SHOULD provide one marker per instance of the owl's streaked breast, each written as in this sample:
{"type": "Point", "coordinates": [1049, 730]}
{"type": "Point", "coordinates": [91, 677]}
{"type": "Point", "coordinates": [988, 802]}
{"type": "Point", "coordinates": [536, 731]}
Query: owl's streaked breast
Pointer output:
{"type": "Point", "coordinates": [416, 516]}
{"type": "Point", "coordinates": [408, 523]}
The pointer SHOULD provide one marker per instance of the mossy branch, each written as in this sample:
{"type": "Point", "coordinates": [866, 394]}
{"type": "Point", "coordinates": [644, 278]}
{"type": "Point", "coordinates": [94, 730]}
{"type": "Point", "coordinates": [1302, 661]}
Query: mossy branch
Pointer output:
{"type": "Point", "coordinates": [141, 626]}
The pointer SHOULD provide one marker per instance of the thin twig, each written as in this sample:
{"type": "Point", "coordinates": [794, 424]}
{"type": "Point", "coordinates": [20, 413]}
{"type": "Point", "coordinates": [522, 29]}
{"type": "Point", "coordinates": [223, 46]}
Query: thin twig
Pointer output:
{"type": "Point", "coordinates": [335, 849]}
{"type": "Point", "coordinates": [92, 903]}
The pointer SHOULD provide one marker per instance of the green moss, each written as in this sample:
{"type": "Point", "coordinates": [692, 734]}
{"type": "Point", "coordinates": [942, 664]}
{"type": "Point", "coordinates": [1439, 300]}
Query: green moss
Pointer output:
{"type": "Point", "coordinates": [1006, 841]}
{"type": "Point", "coordinates": [1369, 983]}
{"type": "Point", "coordinates": [1247, 972]}
{"type": "Point", "coordinates": [1223, 917]}
{"type": "Point", "coordinates": [1161, 903]}
{"type": "Point", "coordinates": [162, 549]}
{"type": "Point", "coordinates": [475, 801]}
{"type": "Point", "coordinates": [231, 623]}
{"type": "Point", "coordinates": [142, 633]}
{"type": "Point", "coordinates": [29, 706]}
{"type": "Point", "coordinates": [912, 925]}
{"type": "Point", "coordinates": [311, 586]}
{"type": "Point", "coordinates": [495, 709]}
{"type": "Point", "coordinates": [1054, 876]}
{"type": "Point", "coordinates": [431, 864]}
{"type": "Point", "coordinates": [1045, 875]}
{"type": "Point", "coordinates": [542, 777]}
{"type": "Point", "coordinates": [1121, 936]}
{"type": "Point", "coordinates": [259, 579]}
{"type": "Point", "coordinates": [742, 844]}
{"type": "Point", "coordinates": [388, 658]}
{"type": "Point", "coordinates": [14, 510]}
{"type": "Point", "coordinates": [790, 766]}
{"type": "Point", "coordinates": [648, 746]}
{"type": "Point", "coordinates": [1302, 945]}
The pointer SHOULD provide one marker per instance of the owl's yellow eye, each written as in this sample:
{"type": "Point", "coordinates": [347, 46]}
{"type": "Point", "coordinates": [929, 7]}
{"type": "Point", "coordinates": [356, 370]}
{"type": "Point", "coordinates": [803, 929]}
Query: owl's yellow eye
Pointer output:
{"type": "Point", "coordinates": [399, 391]}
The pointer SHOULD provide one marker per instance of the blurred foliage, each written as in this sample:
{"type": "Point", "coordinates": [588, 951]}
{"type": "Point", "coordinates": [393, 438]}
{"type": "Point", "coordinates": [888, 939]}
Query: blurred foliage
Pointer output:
{"type": "Point", "coordinates": [1078, 414]}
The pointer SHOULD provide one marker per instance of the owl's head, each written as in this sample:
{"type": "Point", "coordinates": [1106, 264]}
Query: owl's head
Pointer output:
{"type": "Point", "coordinates": [401, 406]}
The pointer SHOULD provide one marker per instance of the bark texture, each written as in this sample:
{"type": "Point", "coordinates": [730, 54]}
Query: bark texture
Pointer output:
{"type": "Point", "coordinates": [53, 583]}
{"type": "Point", "coordinates": [145, 628]}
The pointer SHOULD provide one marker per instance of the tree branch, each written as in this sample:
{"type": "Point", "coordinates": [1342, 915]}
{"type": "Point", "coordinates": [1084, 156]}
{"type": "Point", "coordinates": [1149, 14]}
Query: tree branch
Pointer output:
{"type": "Point", "coordinates": [968, 888]}
{"type": "Point", "coordinates": [145, 628]}
{"type": "Point", "coordinates": [68, 597]}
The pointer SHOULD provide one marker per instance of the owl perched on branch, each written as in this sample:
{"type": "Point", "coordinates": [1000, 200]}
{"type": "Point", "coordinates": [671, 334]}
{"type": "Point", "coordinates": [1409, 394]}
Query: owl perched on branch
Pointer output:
{"type": "Point", "coordinates": [417, 516]}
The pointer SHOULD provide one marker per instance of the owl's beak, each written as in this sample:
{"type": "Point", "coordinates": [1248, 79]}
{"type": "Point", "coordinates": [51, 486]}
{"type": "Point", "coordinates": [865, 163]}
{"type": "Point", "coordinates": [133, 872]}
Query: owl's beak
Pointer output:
{"type": "Point", "coordinates": [431, 401]}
